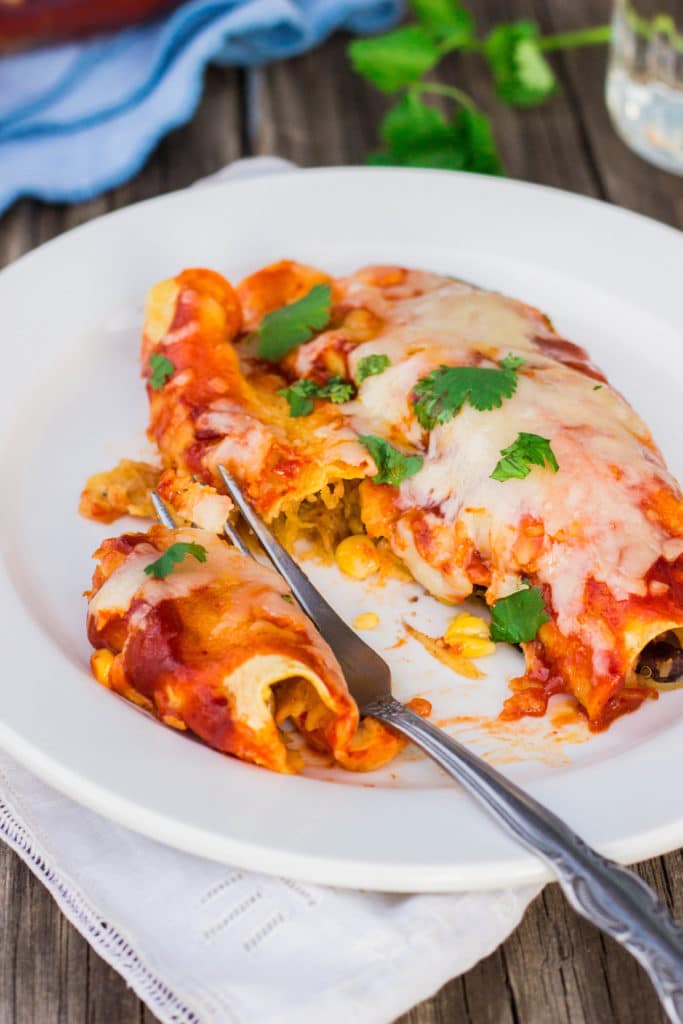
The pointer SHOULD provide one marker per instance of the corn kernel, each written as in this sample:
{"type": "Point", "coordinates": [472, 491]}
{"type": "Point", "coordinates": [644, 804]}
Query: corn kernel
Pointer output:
{"type": "Point", "coordinates": [334, 362]}
{"type": "Point", "coordinates": [136, 698]}
{"type": "Point", "coordinates": [366, 620]}
{"type": "Point", "coordinates": [465, 625]}
{"type": "Point", "coordinates": [469, 635]}
{"type": "Point", "coordinates": [174, 722]}
{"type": "Point", "coordinates": [361, 325]}
{"type": "Point", "coordinates": [357, 557]}
{"type": "Point", "coordinates": [474, 647]}
{"type": "Point", "coordinates": [100, 663]}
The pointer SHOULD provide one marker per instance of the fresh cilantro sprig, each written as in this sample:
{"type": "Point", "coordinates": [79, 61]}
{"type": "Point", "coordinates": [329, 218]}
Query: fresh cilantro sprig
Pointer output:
{"type": "Point", "coordinates": [396, 59]}
{"type": "Point", "coordinates": [516, 619]}
{"type": "Point", "coordinates": [416, 134]}
{"type": "Point", "coordinates": [371, 366]}
{"type": "Point", "coordinates": [393, 467]}
{"type": "Point", "coordinates": [283, 329]}
{"type": "Point", "coordinates": [442, 394]}
{"type": "Point", "coordinates": [301, 393]}
{"type": "Point", "coordinates": [162, 370]}
{"type": "Point", "coordinates": [522, 75]}
{"type": "Point", "coordinates": [526, 451]}
{"type": "Point", "coordinates": [448, 21]}
{"type": "Point", "coordinates": [173, 556]}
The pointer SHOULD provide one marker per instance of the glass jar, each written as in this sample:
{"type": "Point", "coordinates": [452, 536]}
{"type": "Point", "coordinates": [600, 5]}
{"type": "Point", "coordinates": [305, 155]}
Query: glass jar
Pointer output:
{"type": "Point", "coordinates": [645, 79]}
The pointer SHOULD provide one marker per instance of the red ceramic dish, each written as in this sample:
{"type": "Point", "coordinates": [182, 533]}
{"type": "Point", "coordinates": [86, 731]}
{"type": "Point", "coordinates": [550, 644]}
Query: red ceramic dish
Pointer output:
{"type": "Point", "coordinates": [25, 22]}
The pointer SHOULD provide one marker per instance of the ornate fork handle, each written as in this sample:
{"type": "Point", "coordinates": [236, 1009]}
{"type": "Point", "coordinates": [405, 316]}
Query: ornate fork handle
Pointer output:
{"type": "Point", "coordinates": [612, 897]}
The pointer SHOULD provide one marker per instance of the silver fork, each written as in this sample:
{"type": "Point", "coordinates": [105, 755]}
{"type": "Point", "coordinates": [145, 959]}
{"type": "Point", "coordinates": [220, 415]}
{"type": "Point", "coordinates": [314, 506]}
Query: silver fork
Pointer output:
{"type": "Point", "coordinates": [612, 897]}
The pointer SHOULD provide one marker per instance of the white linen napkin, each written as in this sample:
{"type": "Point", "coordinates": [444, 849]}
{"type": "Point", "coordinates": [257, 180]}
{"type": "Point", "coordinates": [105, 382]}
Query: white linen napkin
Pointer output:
{"type": "Point", "coordinates": [202, 943]}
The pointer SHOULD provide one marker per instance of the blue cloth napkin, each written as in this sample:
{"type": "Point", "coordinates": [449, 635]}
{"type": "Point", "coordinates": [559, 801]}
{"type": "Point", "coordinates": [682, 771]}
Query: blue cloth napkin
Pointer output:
{"type": "Point", "coordinates": [79, 118]}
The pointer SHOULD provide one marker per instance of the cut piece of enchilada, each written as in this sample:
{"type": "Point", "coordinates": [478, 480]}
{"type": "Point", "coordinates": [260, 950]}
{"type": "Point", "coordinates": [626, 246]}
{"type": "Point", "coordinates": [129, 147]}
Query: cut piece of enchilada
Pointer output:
{"type": "Point", "coordinates": [209, 640]}
{"type": "Point", "coordinates": [452, 423]}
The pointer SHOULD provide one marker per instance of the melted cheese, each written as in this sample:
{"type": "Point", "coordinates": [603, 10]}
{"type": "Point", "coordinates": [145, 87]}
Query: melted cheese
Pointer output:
{"type": "Point", "coordinates": [211, 512]}
{"type": "Point", "coordinates": [117, 592]}
{"type": "Point", "coordinates": [130, 580]}
{"type": "Point", "coordinates": [456, 312]}
{"type": "Point", "coordinates": [246, 442]}
{"type": "Point", "coordinates": [591, 510]}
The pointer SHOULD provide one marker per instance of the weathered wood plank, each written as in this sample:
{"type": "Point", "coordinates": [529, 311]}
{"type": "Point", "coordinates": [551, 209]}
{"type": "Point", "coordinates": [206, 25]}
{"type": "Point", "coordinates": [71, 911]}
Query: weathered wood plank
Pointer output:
{"type": "Point", "coordinates": [628, 180]}
{"type": "Point", "coordinates": [316, 112]}
{"type": "Point", "coordinates": [542, 145]}
{"type": "Point", "coordinates": [43, 960]}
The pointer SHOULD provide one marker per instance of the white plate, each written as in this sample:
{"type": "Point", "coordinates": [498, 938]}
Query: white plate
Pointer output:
{"type": "Point", "coordinates": [72, 403]}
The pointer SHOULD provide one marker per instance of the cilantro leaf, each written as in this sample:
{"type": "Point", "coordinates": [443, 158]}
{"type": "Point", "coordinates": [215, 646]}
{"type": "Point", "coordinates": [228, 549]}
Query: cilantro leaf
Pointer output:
{"type": "Point", "coordinates": [392, 466]}
{"type": "Point", "coordinates": [521, 73]}
{"type": "Point", "coordinates": [337, 390]}
{"type": "Point", "coordinates": [443, 393]}
{"type": "Point", "coordinates": [412, 127]}
{"type": "Point", "coordinates": [518, 458]}
{"type": "Point", "coordinates": [418, 135]}
{"type": "Point", "coordinates": [533, 69]}
{"type": "Point", "coordinates": [445, 19]}
{"type": "Point", "coordinates": [173, 556]}
{"type": "Point", "coordinates": [396, 59]}
{"type": "Point", "coordinates": [299, 396]}
{"type": "Point", "coordinates": [162, 369]}
{"type": "Point", "coordinates": [517, 619]}
{"type": "Point", "coordinates": [511, 362]}
{"type": "Point", "coordinates": [285, 328]}
{"type": "Point", "coordinates": [371, 366]}
{"type": "Point", "coordinates": [475, 140]}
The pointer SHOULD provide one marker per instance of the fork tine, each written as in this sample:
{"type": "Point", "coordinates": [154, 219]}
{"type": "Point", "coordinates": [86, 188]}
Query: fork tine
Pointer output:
{"type": "Point", "coordinates": [162, 511]}
{"type": "Point", "coordinates": [234, 537]}
{"type": "Point", "coordinates": [347, 646]}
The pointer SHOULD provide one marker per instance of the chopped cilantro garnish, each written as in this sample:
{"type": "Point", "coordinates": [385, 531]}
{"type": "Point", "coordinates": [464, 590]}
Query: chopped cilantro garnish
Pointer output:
{"type": "Point", "coordinates": [442, 394]}
{"type": "Point", "coordinates": [597, 387]}
{"type": "Point", "coordinates": [371, 366]}
{"type": "Point", "coordinates": [287, 597]}
{"type": "Point", "coordinates": [416, 134]}
{"type": "Point", "coordinates": [526, 451]}
{"type": "Point", "coordinates": [172, 557]}
{"type": "Point", "coordinates": [396, 59]}
{"type": "Point", "coordinates": [299, 396]}
{"type": "Point", "coordinates": [285, 328]}
{"type": "Point", "coordinates": [162, 369]}
{"type": "Point", "coordinates": [445, 19]}
{"type": "Point", "coordinates": [522, 75]}
{"type": "Point", "coordinates": [511, 362]}
{"type": "Point", "coordinates": [393, 467]}
{"type": "Point", "coordinates": [337, 390]}
{"type": "Point", "coordinates": [517, 619]}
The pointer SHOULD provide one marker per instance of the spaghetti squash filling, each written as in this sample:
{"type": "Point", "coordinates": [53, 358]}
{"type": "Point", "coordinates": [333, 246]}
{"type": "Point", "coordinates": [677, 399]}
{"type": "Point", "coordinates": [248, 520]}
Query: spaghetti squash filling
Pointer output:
{"type": "Point", "coordinates": [319, 525]}
{"type": "Point", "coordinates": [321, 520]}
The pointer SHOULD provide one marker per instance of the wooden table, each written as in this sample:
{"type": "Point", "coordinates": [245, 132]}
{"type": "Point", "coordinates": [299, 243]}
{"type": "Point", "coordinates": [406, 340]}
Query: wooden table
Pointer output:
{"type": "Point", "coordinates": [313, 110]}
